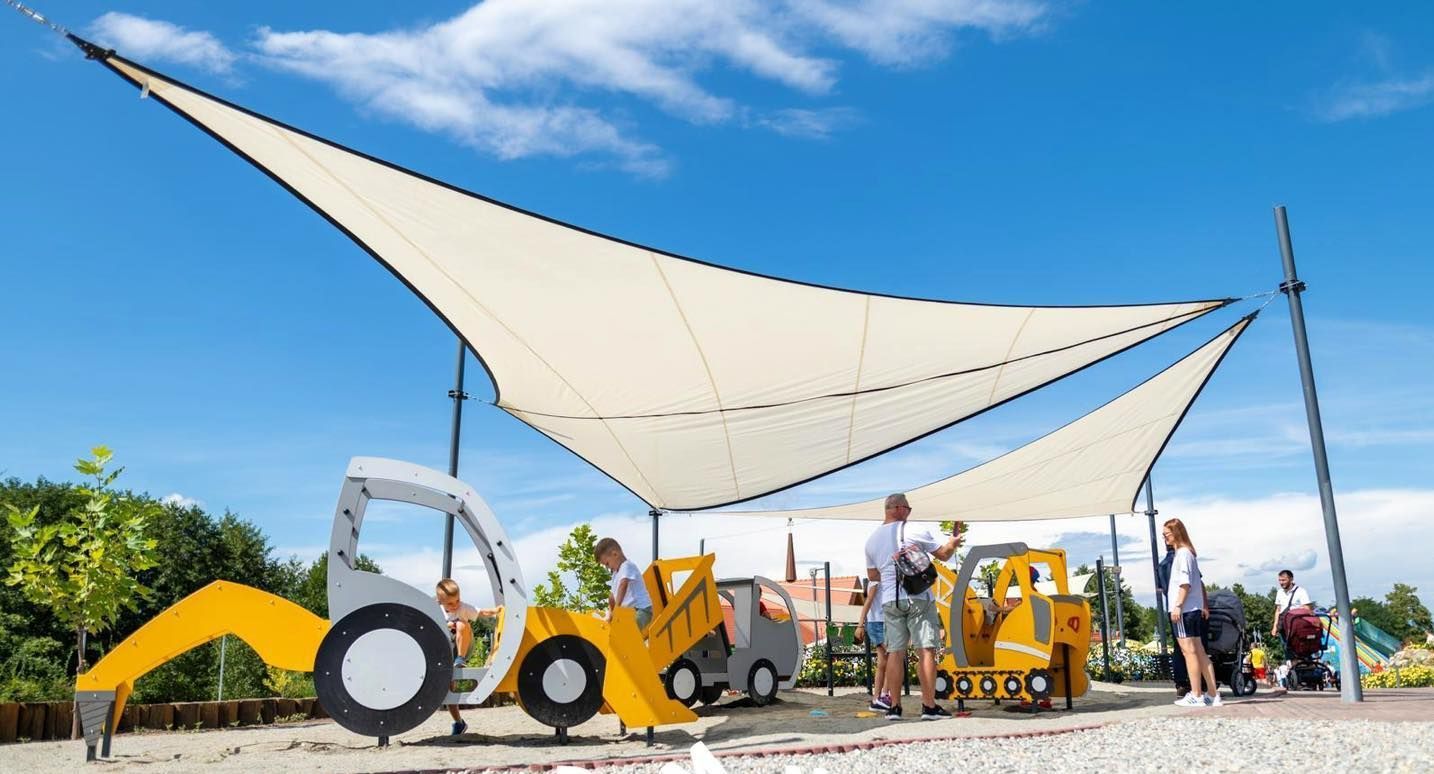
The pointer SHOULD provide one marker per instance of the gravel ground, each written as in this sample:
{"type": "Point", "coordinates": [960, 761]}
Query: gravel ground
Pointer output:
{"type": "Point", "coordinates": [1218, 744]}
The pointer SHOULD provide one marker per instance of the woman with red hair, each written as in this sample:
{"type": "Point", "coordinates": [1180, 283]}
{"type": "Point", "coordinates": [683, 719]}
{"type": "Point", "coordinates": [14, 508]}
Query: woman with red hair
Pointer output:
{"type": "Point", "coordinates": [1185, 599]}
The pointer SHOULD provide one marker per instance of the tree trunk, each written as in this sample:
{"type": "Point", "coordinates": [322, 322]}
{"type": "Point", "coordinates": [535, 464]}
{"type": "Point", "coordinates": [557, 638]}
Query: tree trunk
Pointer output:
{"type": "Point", "coordinates": [79, 670]}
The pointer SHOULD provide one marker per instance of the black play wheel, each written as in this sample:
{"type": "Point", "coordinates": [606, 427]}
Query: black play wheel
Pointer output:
{"type": "Point", "coordinates": [683, 682]}
{"type": "Point", "coordinates": [710, 694]}
{"type": "Point", "coordinates": [1012, 684]}
{"type": "Point", "coordinates": [383, 669]}
{"type": "Point", "coordinates": [560, 681]}
{"type": "Point", "coordinates": [762, 682]}
{"type": "Point", "coordinates": [1039, 683]}
{"type": "Point", "coordinates": [943, 684]}
{"type": "Point", "coordinates": [964, 686]}
{"type": "Point", "coordinates": [988, 685]}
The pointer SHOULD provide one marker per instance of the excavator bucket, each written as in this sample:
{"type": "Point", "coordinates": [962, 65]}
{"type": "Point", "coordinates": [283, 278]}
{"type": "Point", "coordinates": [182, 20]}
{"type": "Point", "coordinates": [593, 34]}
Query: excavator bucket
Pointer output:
{"type": "Point", "coordinates": [282, 633]}
{"type": "Point", "coordinates": [684, 615]}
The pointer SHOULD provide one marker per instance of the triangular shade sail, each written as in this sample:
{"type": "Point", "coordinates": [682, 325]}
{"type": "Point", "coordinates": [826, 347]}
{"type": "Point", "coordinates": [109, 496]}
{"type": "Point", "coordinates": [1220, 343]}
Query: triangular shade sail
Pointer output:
{"type": "Point", "coordinates": [1091, 467]}
{"type": "Point", "coordinates": [690, 384]}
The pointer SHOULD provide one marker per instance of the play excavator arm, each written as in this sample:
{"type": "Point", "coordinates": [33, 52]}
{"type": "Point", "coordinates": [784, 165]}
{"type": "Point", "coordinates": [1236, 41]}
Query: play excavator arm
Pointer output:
{"type": "Point", "coordinates": [282, 633]}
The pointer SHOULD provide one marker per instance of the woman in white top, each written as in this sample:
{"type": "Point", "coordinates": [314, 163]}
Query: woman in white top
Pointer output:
{"type": "Point", "coordinates": [1185, 599]}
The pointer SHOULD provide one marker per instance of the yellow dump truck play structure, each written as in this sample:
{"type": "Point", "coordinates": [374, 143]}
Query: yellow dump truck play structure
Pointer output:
{"type": "Point", "coordinates": [1031, 650]}
{"type": "Point", "coordinates": [385, 663]}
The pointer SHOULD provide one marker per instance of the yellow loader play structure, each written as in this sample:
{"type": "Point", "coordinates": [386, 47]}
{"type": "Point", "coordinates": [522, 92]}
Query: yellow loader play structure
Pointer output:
{"type": "Point", "coordinates": [1025, 648]}
{"type": "Point", "coordinates": [384, 663]}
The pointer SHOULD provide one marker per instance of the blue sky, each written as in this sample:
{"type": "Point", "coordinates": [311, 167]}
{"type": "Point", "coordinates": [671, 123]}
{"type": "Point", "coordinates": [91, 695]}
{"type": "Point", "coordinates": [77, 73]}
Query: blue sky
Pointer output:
{"type": "Point", "coordinates": [167, 300]}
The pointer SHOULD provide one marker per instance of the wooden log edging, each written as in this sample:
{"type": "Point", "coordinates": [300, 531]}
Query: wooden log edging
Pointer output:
{"type": "Point", "coordinates": [40, 721]}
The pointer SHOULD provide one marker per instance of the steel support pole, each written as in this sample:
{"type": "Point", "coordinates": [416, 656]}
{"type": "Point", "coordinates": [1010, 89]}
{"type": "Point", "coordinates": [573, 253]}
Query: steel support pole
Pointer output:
{"type": "Point", "coordinates": [1350, 689]}
{"type": "Point", "coordinates": [1104, 615]}
{"type": "Point", "coordinates": [1160, 614]}
{"type": "Point", "coordinates": [458, 396]}
{"type": "Point", "coordinates": [1115, 556]}
{"type": "Point", "coordinates": [655, 514]}
{"type": "Point", "coordinates": [827, 575]}
{"type": "Point", "coordinates": [223, 646]}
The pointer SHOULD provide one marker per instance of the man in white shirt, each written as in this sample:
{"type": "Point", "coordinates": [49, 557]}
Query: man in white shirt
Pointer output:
{"type": "Point", "coordinates": [1289, 597]}
{"type": "Point", "coordinates": [911, 619]}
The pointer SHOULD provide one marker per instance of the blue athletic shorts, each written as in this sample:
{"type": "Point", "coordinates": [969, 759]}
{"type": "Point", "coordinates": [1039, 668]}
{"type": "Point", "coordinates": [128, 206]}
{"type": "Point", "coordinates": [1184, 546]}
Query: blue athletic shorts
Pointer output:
{"type": "Point", "coordinates": [876, 632]}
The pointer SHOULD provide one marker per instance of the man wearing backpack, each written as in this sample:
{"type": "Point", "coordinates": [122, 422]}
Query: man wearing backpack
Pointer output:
{"type": "Point", "coordinates": [910, 612]}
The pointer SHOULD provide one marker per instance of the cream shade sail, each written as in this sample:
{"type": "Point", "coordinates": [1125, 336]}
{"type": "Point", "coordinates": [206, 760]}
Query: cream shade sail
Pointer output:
{"type": "Point", "coordinates": [691, 384]}
{"type": "Point", "coordinates": [1091, 467]}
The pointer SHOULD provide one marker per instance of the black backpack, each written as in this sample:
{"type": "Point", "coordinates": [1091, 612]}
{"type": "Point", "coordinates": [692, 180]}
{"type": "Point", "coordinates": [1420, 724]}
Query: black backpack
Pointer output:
{"type": "Point", "coordinates": [914, 571]}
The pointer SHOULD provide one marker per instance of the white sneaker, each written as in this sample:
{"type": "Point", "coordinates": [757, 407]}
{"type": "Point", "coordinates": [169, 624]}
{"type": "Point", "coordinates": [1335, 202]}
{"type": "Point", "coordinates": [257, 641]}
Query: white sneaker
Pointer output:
{"type": "Point", "coordinates": [1213, 701]}
{"type": "Point", "coordinates": [1190, 700]}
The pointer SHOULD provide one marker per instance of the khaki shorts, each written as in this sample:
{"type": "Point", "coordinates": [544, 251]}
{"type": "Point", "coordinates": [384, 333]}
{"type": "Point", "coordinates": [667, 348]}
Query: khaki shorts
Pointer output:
{"type": "Point", "coordinates": [911, 623]}
{"type": "Point", "coordinates": [644, 617]}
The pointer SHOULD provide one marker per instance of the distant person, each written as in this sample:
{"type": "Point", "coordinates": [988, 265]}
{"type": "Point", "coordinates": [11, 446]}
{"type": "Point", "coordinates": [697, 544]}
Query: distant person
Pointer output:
{"type": "Point", "coordinates": [1186, 600]}
{"type": "Point", "coordinates": [1178, 674]}
{"type": "Point", "coordinates": [1290, 596]}
{"type": "Point", "coordinates": [628, 590]}
{"type": "Point", "coordinates": [873, 629]}
{"type": "Point", "coordinates": [460, 617]}
{"type": "Point", "coordinates": [910, 619]}
{"type": "Point", "coordinates": [1258, 662]}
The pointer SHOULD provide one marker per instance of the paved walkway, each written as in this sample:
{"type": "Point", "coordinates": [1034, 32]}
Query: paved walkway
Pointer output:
{"type": "Point", "coordinates": [1384, 704]}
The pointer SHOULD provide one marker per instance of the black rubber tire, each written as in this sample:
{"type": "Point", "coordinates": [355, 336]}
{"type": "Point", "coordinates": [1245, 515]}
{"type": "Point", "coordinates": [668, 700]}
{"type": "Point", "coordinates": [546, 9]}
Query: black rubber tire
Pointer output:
{"type": "Point", "coordinates": [945, 686]}
{"type": "Point", "coordinates": [759, 698]}
{"type": "Point", "coordinates": [710, 694]}
{"type": "Point", "coordinates": [550, 710]}
{"type": "Point", "coordinates": [335, 698]}
{"type": "Point", "coordinates": [670, 681]}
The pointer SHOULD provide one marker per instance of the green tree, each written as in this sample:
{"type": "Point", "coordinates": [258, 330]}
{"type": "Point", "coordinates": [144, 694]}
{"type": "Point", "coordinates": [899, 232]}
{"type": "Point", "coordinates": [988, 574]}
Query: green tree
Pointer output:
{"type": "Point", "coordinates": [989, 573]}
{"type": "Point", "coordinates": [84, 565]}
{"type": "Point", "coordinates": [576, 564]}
{"type": "Point", "coordinates": [1405, 608]}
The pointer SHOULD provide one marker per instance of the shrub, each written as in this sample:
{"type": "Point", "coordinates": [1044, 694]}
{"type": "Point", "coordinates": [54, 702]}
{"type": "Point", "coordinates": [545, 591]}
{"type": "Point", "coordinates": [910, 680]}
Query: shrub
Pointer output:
{"type": "Point", "coordinates": [1125, 664]}
{"type": "Point", "coordinates": [1408, 677]}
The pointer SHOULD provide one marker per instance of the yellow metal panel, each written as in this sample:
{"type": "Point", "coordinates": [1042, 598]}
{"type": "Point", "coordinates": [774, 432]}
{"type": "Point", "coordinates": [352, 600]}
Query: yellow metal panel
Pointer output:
{"type": "Point", "coordinates": [688, 613]}
{"type": "Point", "coordinates": [630, 685]}
{"type": "Point", "coordinates": [284, 635]}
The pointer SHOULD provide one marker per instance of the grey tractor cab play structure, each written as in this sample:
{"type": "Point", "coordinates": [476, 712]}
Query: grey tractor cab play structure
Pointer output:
{"type": "Point", "coordinates": [763, 654]}
{"type": "Point", "coordinates": [386, 664]}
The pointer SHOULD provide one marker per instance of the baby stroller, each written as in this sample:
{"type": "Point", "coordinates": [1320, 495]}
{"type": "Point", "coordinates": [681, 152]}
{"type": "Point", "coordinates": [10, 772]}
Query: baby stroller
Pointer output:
{"type": "Point", "coordinates": [1306, 637]}
{"type": "Point", "coordinates": [1227, 643]}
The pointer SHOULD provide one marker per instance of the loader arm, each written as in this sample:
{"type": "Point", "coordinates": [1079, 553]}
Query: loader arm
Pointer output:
{"type": "Point", "coordinates": [282, 633]}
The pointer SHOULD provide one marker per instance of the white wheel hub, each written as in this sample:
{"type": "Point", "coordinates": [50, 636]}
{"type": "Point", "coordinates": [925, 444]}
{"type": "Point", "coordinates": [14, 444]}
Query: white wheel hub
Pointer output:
{"type": "Point", "coordinates": [763, 681]}
{"type": "Point", "coordinates": [383, 669]}
{"type": "Point", "coordinates": [684, 683]}
{"type": "Point", "coordinates": [564, 681]}
{"type": "Point", "coordinates": [1038, 683]}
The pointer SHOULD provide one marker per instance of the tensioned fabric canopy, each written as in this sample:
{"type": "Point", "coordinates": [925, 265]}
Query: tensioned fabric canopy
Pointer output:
{"type": "Point", "coordinates": [692, 385]}
{"type": "Point", "coordinates": [1091, 467]}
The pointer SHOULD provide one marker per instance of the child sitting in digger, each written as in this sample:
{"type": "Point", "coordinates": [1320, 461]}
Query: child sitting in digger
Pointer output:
{"type": "Point", "coordinates": [628, 590]}
{"type": "Point", "coordinates": [459, 615]}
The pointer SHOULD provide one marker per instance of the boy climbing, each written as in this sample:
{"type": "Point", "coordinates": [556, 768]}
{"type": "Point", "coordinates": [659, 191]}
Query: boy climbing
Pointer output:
{"type": "Point", "coordinates": [459, 615]}
{"type": "Point", "coordinates": [628, 589]}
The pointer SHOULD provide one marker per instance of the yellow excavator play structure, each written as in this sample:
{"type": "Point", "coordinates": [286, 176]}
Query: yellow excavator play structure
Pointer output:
{"type": "Point", "coordinates": [384, 662]}
{"type": "Point", "coordinates": [1027, 647]}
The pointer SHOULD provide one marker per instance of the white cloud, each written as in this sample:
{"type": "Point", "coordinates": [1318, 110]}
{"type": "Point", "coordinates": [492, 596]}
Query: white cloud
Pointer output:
{"type": "Point", "coordinates": [812, 124]}
{"type": "Point", "coordinates": [157, 40]}
{"type": "Point", "coordinates": [180, 501]}
{"type": "Point", "coordinates": [1374, 99]}
{"type": "Point", "coordinates": [510, 77]}
{"type": "Point", "coordinates": [911, 32]}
